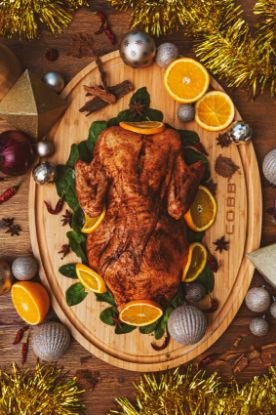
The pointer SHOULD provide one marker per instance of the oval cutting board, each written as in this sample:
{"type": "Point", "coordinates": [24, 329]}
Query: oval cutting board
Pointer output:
{"type": "Point", "coordinates": [239, 219]}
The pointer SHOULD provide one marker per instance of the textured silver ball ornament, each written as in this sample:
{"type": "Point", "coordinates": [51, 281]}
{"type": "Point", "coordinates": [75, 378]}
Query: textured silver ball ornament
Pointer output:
{"type": "Point", "coordinates": [44, 172]}
{"type": "Point", "coordinates": [240, 132]}
{"type": "Point", "coordinates": [45, 148]}
{"type": "Point", "coordinates": [50, 341]}
{"type": "Point", "coordinates": [259, 326]}
{"type": "Point", "coordinates": [258, 299]}
{"type": "Point", "coordinates": [194, 292]}
{"type": "Point", "coordinates": [24, 268]}
{"type": "Point", "coordinates": [273, 309]}
{"type": "Point", "coordinates": [269, 167]}
{"type": "Point", "coordinates": [137, 49]}
{"type": "Point", "coordinates": [166, 53]}
{"type": "Point", "coordinates": [54, 80]}
{"type": "Point", "coordinates": [186, 112]}
{"type": "Point", "coordinates": [187, 324]}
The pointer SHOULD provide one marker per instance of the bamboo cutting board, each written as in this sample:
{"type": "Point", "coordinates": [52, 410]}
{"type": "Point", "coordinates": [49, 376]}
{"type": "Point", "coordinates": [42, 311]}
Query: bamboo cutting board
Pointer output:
{"type": "Point", "coordinates": [239, 219]}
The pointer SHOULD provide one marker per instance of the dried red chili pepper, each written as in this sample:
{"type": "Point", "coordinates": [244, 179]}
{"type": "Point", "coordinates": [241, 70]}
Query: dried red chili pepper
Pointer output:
{"type": "Point", "coordinates": [24, 350]}
{"type": "Point", "coordinates": [105, 27]}
{"type": "Point", "coordinates": [10, 192]}
{"type": "Point", "coordinates": [19, 335]}
{"type": "Point", "coordinates": [57, 209]}
{"type": "Point", "coordinates": [214, 306]}
{"type": "Point", "coordinates": [163, 345]}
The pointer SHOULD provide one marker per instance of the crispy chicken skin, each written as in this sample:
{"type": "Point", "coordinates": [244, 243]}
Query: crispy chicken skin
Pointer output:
{"type": "Point", "coordinates": [146, 187]}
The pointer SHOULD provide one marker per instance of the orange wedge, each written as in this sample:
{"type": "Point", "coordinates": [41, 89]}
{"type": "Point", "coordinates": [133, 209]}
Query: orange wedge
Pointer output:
{"type": "Point", "coordinates": [215, 111]}
{"type": "Point", "coordinates": [203, 211]}
{"type": "Point", "coordinates": [91, 224]}
{"type": "Point", "coordinates": [186, 80]}
{"type": "Point", "coordinates": [196, 261]}
{"type": "Point", "coordinates": [31, 301]}
{"type": "Point", "coordinates": [90, 279]}
{"type": "Point", "coordinates": [140, 313]}
{"type": "Point", "coordinates": [143, 127]}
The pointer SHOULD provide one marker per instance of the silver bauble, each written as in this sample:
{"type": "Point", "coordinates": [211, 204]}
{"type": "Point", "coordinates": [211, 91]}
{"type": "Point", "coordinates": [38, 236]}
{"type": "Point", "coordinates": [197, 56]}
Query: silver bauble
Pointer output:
{"type": "Point", "coordinates": [5, 277]}
{"type": "Point", "coordinates": [44, 172]}
{"type": "Point", "coordinates": [259, 326]}
{"type": "Point", "coordinates": [187, 324]}
{"type": "Point", "coordinates": [269, 167]}
{"type": "Point", "coordinates": [186, 112]}
{"type": "Point", "coordinates": [137, 49]}
{"type": "Point", "coordinates": [24, 268]}
{"type": "Point", "coordinates": [54, 80]}
{"type": "Point", "coordinates": [273, 309]}
{"type": "Point", "coordinates": [194, 292]}
{"type": "Point", "coordinates": [166, 53]}
{"type": "Point", "coordinates": [45, 148]}
{"type": "Point", "coordinates": [258, 299]}
{"type": "Point", "coordinates": [50, 341]}
{"type": "Point", "coordinates": [240, 132]}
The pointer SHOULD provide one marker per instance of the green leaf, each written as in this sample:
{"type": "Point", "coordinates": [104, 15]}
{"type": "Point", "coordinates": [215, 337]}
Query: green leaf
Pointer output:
{"type": "Point", "coordinates": [188, 137]}
{"type": "Point", "coordinates": [150, 328]}
{"type": "Point", "coordinates": [95, 130]}
{"type": "Point", "coordinates": [113, 122]}
{"type": "Point", "coordinates": [69, 270]}
{"type": "Point", "coordinates": [75, 294]}
{"type": "Point", "coordinates": [207, 279]}
{"type": "Point", "coordinates": [85, 153]}
{"type": "Point", "coordinates": [191, 156]}
{"type": "Point", "coordinates": [70, 197]}
{"type": "Point", "coordinates": [106, 297]}
{"type": "Point", "coordinates": [141, 96]}
{"type": "Point", "coordinates": [162, 325]}
{"type": "Point", "coordinates": [77, 244]}
{"type": "Point", "coordinates": [194, 236]}
{"type": "Point", "coordinates": [124, 328]}
{"type": "Point", "coordinates": [77, 220]}
{"type": "Point", "coordinates": [154, 115]}
{"type": "Point", "coordinates": [65, 177]}
{"type": "Point", "coordinates": [74, 156]}
{"type": "Point", "coordinates": [107, 316]}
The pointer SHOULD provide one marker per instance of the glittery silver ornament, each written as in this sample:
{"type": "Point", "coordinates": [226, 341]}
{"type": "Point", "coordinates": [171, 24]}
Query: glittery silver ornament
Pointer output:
{"type": "Point", "coordinates": [269, 167]}
{"type": "Point", "coordinates": [187, 324]}
{"type": "Point", "coordinates": [273, 309]}
{"type": "Point", "coordinates": [25, 268]}
{"type": "Point", "coordinates": [54, 80]}
{"type": "Point", "coordinates": [166, 53]}
{"type": "Point", "coordinates": [194, 292]}
{"type": "Point", "coordinates": [44, 172]}
{"type": "Point", "coordinates": [137, 49]}
{"type": "Point", "coordinates": [186, 112]}
{"type": "Point", "coordinates": [240, 132]}
{"type": "Point", "coordinates": [50, 341]}
{"type": "Point", "coordinates": [258, 299]}
{"type": "Point", "coordinates": [45, 148]}
{"type": "Point", "coordinates": [259, 326]}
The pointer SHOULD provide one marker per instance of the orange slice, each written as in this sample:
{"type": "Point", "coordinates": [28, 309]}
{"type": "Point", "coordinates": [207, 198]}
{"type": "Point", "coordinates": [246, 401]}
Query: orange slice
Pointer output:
{"type": "Point", "coordinates": [90, 279]}
{"type": "Point", "coordinates": [186, 80]}
{"type": "Point", "coordinates": [91, 224]}
{"type": "Point", "coordinates": [31, 301]}
{"type": "Point", "coordinates": [140, 313]}
{"type": "Point", "coordinates": [143, 127]}
{"type": "Point", "coordinates": [215, 111]}
{"type": "Point", "coordinates": [196, 261]}
{"type": "Point", "coordinates": [203, 211]}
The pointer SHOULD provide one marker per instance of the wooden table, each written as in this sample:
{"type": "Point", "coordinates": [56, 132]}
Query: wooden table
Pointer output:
{"type": "Point", "coordinates": [260, 114]}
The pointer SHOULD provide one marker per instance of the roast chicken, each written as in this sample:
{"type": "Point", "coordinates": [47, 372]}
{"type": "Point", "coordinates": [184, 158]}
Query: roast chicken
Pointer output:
{"type": "Point", "coordinates": [145, 187]}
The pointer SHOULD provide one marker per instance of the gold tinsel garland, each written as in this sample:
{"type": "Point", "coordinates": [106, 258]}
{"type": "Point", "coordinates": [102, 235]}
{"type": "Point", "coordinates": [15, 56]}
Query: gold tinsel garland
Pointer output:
{"type": "Point", "coordinates": [46, 390]}
{"type": "Point", "coordinates": [223, 40]}
{"type": "Point", "coordinates": [22, 17]}
{"type": "Point", "coordinates": [195, 393]}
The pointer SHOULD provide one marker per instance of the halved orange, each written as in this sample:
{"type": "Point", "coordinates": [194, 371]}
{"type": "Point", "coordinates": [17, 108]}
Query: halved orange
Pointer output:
{"type": "Point", "coordinates": [203, 211]}
{"type": "Point", "coordinates": [91, 224]}
{"type": "Point", "coordinates": [143, 127]}
{"type": "Point", "coordinates": [215, 111]}
{"type": "Point", "coordinates": [90, 279]}
{"type": "Point", "coordinates": [196, 261]}
{"type": "Point", "coordinates": [140, 313]}
{"type": "Point", "coordinates": [186, 80]}
{"type": "Point", "coordinates": [31, 301]}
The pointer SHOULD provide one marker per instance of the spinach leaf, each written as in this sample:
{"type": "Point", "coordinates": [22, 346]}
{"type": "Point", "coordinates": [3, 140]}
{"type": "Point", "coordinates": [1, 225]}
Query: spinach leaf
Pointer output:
{"type": "Point", "coordinates": [85, 153]}
{"type": "Point", "coordinates": [207, 279]}
{"type": "Point", "coordinates": [75, 294]}
{"type": "Point", "coordinates": [70, 197]}
{"type": "Point", "coordinates": [124, 328]}
{"type": "Point", "coordinates": [77, 219]}
{"type": "Point", "coordinates": [188, 137]}
{"type": "Point", "coordinates": [74, 156]}
{"type": "Point", "coordinates": [65, 177]}
{"type": "Point", "coordinates": [154, 115]}
{"type": "Point", "coordinates": [95, 130]}
{"type": "Point", "coordinates": [141, 96]}
{"type": "Point", "coordinates": [150, 328]}
{"type": "Point", "coordinates": [77, 244]}
{"type": "Point", "coordinates": [194, 236]}
{"type": "Point", "coordinates": [69, 270]}
{"type": "Point", "coordinates": [191, 156]}
{"type": "Point", "coordinates": [106, 297]}
{"type": "Point", "coordinates": [162, 325]}
{"type": "Point", "coordinates": [107, 316]}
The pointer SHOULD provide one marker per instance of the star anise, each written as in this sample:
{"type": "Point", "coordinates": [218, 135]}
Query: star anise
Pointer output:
{"type": "Point", "coordinates": [212, 186]}
{"type": "Point", "coordinates": [66, 218]}
{"type": "Point", "coordinates": [6, 223]}
{"type": "Point", "coordinates": [221, 244]}
{"type": "Point", "coordinates": [64, 251]}
{"type": "Point", "coordinates": [138, 108]}
{"type": "Point", "coordinates": [223, 140]}
{"type": "Point", "coordinates": [14, 230]}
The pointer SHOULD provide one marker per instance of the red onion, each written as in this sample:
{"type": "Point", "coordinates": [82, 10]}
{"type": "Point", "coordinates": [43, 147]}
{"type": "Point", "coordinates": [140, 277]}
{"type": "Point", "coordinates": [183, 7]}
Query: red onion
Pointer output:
{"type": "Point", "coordinates": [16, 153]}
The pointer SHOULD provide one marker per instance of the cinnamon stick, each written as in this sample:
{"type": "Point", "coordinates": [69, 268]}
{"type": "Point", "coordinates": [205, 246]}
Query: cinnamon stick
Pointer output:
{"type": "Point", "coordinates": [100, 92]}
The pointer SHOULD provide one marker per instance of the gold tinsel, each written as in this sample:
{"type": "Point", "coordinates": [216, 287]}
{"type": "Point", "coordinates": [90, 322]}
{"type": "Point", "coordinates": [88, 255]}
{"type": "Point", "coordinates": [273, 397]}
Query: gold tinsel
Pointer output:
{"type": "Point", "coordinates": [223, 40]}
{"type": "Point", "coordinates": [195, 393]}
{"type": "Point", "coordinates": [46, 390]}
{"type": "Point", "coordinates": [22, 17]}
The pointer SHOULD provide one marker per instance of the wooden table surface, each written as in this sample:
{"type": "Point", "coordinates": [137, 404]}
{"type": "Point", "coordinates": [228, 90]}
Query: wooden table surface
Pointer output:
{"type": "Point", "coordinates": [260, 114]}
